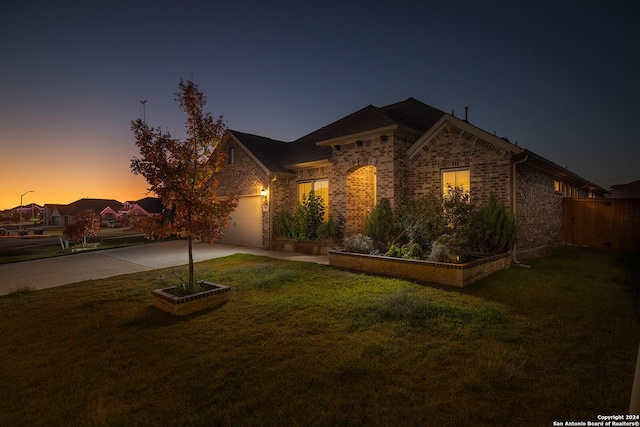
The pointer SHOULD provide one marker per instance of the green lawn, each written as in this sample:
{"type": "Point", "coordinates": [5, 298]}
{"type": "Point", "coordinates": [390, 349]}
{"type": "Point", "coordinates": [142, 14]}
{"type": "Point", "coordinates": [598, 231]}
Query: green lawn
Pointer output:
{"type": "Point", "coordinates": [302, 344]}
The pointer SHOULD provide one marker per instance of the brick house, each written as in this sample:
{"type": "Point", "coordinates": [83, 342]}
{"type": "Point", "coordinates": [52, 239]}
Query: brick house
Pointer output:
{"type": "Point", "coordinates": [400, 152]}
{"type": "Point", "coordinates": [62, 215]}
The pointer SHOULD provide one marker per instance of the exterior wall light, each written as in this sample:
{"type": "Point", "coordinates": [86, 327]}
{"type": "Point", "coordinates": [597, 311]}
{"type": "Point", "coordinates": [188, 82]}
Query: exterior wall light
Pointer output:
{"type": "Point", "coordinates": [263, 192]}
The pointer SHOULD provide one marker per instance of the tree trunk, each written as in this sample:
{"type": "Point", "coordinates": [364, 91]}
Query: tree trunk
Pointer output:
{"type": "Point", "coordinates": [191, 281]}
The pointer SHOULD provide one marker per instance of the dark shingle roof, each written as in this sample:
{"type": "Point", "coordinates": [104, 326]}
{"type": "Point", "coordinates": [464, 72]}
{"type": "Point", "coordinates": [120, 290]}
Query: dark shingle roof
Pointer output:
{"type": "Point", "coordinates": [410, 112]}
{"type": "Point", "coordinates": [269, 151]}
{"type": "Point", "coordinates": [96, 205]}
{"type": "Point", "coordinates": [415, 114]}
{"type": "Point", "coordinates": [275, 155]}
{"type": "Point", "coordinates": [151, 205]}
{"type": "Point", "coordinates": [626, 191]}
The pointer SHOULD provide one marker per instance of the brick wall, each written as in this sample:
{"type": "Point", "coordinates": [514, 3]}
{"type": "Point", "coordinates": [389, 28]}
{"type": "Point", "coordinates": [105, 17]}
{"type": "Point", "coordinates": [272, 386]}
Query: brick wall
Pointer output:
{"type": "Point", "coordinates": [242, 177]}
{"type": "Point", "coordinates": [245, 177]}
{"type": "Point", "coordinates": [489, 166]}
{"type": "Point", "coordinates": [539, 209]}
{"type": "Point", "coordinates": [361, 197]}
{"type": "Point", "coordinates": [362, 173]}
{"type": "Point", "coordinates": [356, 167]}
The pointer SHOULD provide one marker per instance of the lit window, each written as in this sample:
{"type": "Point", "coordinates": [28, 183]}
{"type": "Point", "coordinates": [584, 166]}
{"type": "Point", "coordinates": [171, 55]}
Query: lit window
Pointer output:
{"type": "Point", "coordinates": [320, 188]}
{"type": "Point", "coordinates": [557, 186]}
{"type": "Point", "coordinates": [459, 178]}
{"type": "Point", "coordinates": [230, 157]}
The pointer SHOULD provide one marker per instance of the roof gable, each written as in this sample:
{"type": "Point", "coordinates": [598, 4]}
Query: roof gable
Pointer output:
{"type": "Point", "coordinates": [267, 152]}
{"type": "Point", "coordinates": [448, 120]}
{"type": "Point", "coordinates": [96, 205]}
{"type": "Point", "coordinates": [151, 205]}
{"type": "Point", "coordinates": [409, 113]}
{"type": "Point", "coordinates": [626, 191]}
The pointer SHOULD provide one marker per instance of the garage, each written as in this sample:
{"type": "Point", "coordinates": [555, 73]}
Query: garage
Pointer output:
{"type": "Point", "coordinates": [245, 225]}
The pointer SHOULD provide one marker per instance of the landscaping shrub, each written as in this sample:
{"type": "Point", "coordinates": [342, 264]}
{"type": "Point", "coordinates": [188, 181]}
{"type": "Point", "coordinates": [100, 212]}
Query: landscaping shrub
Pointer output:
{"type": "Point", "coordinates": [408, 251]}
{"type": "Point", "coordinates": [450, 248]}
{"type": "Point", "coordinates": [423, 221]}
{"type": "Point", "coordinates": [380, 224]}
{"type": "Point", "coordinates": [304, 222]}
{"type": "Point", "coordinates": [332, 230]}
{"type": "Point", "coordinates": [283, 225]}
{"type": "Point", "coordinates": [497, 228]}
{"type": "Point", "coordinates": [358, 243]}
{"type": "Point", "coordinates": [461, 226]}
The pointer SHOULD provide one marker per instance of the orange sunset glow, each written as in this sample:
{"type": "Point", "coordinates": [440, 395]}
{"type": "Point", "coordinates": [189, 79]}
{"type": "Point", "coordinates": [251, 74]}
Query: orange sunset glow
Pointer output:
{"type": "Point", "coordinates": [61, 174]}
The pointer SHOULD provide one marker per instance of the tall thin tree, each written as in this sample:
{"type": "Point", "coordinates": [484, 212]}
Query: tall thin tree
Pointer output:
{"type": "Point", "coordinates": [183, 173]}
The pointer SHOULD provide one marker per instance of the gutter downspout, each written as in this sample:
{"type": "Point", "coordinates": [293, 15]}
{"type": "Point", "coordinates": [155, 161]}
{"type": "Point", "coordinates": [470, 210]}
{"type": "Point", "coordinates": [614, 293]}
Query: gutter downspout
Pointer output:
{"type": "Point", "coordinates": [514, 197]}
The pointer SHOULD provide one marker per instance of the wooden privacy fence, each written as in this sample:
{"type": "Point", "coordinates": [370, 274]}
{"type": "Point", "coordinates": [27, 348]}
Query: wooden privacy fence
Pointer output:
{"type": "Point", "coordinates": [602, 223]}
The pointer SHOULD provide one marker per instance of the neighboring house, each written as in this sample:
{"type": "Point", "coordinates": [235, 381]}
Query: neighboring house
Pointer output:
{"type": "Point", "coordinates": [30, 212]}
{"type": "Point", "coordinates": [625, 191]}
{"type": "Point", "coordinates": [62, 215]}
{"type": "Point", "coordinates": [150, 207]}
{"type": "Point", "coordinates": [403, 151]}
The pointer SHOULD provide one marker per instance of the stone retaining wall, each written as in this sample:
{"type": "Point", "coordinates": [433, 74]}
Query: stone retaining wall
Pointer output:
{"type": "Point", "coordinates": [459, 275]}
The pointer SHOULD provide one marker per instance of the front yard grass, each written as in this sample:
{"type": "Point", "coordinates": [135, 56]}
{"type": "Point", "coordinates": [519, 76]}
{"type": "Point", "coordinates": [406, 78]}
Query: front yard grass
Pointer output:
{"type": "Point", "coordinates": [309, 345]}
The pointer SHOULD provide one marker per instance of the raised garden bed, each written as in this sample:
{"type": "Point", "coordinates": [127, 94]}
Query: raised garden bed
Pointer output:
{"type": "Point", "coordinates": [459, 275]}
{"type": "Point", "coordinates": [309, 248]}
{"type": "Point", "coordinates": [212, 296]}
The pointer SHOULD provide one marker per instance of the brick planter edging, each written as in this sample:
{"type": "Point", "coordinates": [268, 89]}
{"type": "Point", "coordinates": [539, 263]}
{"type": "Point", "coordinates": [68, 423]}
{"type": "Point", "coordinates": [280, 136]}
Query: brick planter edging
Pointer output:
{"type": "Point", "coordinates": [459, 275]}
{"type": "Point", "coordinates": [305, 247]}
{"type": "Point", "coordinates": [213, 296]}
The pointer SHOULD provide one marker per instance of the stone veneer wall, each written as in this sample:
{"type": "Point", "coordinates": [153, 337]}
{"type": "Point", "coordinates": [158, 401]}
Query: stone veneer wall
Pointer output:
{"type": "Point", "coordinates": [539, 209]}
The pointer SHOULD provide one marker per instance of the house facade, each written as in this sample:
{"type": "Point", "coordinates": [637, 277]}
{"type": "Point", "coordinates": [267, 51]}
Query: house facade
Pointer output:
{"type": "Point", "coordinates": [403, 151]}
{"type": "Point", "coordinates": [108, 209]}
{"type": "Point", "coordinates": [63, 215]}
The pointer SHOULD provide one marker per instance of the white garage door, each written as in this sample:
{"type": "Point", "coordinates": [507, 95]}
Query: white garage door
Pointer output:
{"type": "Point", "coordinates": [245, 225]}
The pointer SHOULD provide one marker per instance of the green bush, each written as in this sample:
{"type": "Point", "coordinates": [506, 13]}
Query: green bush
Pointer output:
{"type": "Point", "coordinates": [358, 243]}
{"type": "Point", "coordinates": [423, 221]}
{"type": "Point", "coordinates": [408, 251]}
{"type": "Point", "coordinates": [283, 225]}
{"type": "Point", "coordinates": [496, 229]}
{"type": "Point", "coordinates": [450, 248]}
{"type": "Point", "coordinates": [304, 222]}
{"type": "Point", "coordinates": [332, 230]}
{"type": "Point", "coordinates": [380, 224]}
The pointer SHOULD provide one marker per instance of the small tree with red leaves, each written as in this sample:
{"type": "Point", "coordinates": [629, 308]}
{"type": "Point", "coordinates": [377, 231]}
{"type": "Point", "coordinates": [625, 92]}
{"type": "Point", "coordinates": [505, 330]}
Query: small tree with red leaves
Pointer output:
{"type": "Point", "coordinates": [86, 223]}
{"type": "Point", "coordinates": [183, 173]}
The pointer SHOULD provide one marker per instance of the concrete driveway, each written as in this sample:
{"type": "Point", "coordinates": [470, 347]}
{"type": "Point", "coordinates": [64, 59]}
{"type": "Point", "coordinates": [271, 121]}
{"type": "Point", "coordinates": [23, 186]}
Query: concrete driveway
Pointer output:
{"type": "Point", "coordinates": [58, 271]}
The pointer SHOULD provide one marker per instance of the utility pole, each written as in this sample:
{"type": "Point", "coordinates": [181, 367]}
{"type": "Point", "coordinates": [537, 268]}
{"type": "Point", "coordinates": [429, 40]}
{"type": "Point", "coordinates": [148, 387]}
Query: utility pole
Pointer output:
{"type": "Point", "coordinates": [20, 223]}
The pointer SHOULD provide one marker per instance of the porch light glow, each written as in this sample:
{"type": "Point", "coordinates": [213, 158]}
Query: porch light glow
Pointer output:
{"type": "Point", "coordinates": [263, 192]}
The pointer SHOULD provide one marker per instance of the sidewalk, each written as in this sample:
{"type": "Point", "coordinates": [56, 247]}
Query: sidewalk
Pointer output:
{"type": "Point", "coordinates": [58, 271]}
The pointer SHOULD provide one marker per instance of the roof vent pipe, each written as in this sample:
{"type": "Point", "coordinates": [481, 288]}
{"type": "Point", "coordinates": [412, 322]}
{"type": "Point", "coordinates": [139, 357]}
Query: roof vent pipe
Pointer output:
{"type": "Point", "coordinates": [466, 114]}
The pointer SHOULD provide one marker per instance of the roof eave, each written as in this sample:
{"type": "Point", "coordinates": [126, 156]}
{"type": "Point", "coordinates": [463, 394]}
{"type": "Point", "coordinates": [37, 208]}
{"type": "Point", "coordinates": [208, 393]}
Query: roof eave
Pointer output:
{"type": "Point", "coordinates": [560, 172]}
{"type": "Point", "coordinates": [346, 139]}
{"type": "Point", "coordinates": [308, 165]}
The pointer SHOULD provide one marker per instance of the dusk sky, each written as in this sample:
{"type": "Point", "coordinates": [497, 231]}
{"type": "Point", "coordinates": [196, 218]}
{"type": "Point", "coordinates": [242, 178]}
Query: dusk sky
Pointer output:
{"type": "Point", "coordinates": [561, 78]}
